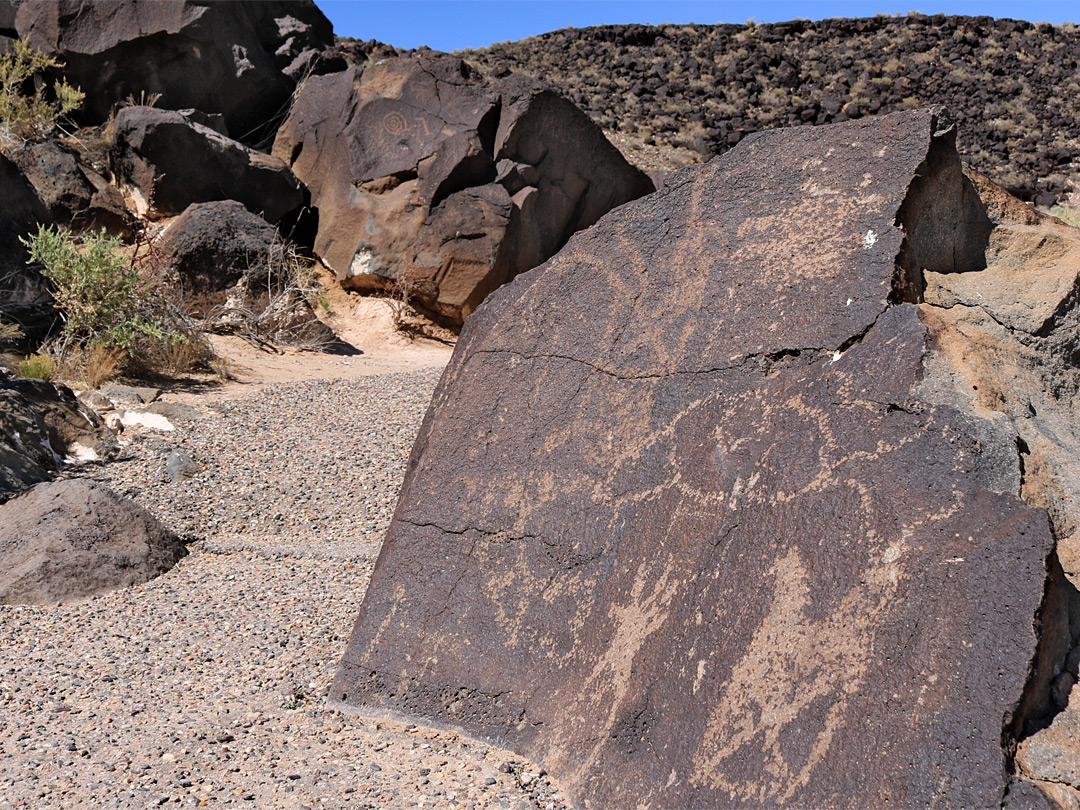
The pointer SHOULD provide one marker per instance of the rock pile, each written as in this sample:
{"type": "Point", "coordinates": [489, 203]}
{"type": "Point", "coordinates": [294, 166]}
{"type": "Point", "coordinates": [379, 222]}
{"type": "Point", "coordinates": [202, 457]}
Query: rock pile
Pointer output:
{"type": "Point", "coordinates": [750, 496]}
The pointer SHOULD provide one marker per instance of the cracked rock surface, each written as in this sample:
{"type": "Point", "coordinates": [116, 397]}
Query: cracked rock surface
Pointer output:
{"type": "Point", "coordinates": [749, 497]}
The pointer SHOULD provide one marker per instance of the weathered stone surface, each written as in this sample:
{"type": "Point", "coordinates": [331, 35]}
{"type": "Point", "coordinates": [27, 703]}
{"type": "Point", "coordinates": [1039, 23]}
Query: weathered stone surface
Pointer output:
{"type": "Point", "coordinates": [172, 161]}
{"type": "Point", "coordinates": [71, 539]}
{"type": "Point", "coordinates": [419, 166]}
{"type": "Point", "coordinates": [705, 512]}
{"type": "Point", "coordinates": [24, 297]}
{"type": "Point", "coordinates": [40, 424]}
{"type": "Point", "coordinates": [227, 259]}
{"type": "Point", "coordinates": [72, 193]}
{"type": "Point", "coordinates": [239, 59]}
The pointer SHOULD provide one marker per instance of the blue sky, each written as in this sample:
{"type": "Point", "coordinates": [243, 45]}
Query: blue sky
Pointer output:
{"type": "Point", "coordinates": [447, 25]}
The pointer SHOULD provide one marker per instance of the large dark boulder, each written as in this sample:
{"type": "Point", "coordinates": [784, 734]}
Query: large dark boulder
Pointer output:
{"type": "Point", "coordinates": [171, 161]}
{"type": "Point", "coordinates": [41, 424]}
{"type": "Point", "coordinates": [231, 264]}
{"type": "Point", "coordinates": [717, 509]}
{"type": "Point", "coordinates": [419, 167]}
{"type": "Point", "coordinates": [240, 59]}
{"type": "Point", "coordinates": [71, 539]}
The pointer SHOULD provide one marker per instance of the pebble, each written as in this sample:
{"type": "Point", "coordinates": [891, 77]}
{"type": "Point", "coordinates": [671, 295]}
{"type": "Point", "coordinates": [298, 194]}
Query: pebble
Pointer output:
{"type": "Point", "coordinates": [207, 685]}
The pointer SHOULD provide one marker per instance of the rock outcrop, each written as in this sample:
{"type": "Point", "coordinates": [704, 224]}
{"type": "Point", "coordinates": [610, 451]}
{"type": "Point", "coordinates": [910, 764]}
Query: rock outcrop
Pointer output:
{"type": "Point", "coordinates": [40, 425]}
{"type": "Point", "coordinates": [233, 266]}
{"type": "Point", "coordinates": [71, 539]}
{"type": "Point", "coordinates": [419, 167]}
{"type": "Point", "coordinates": [170, 161]}
{"type": "Point", "coordinates": [748, 497]}
{"type": "Point", "coordinates": [239, 59]}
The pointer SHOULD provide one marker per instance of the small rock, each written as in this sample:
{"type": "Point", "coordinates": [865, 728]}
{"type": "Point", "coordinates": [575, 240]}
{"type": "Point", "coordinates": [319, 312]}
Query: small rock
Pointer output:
{"type": "Point", "coordinates": [179, 466]}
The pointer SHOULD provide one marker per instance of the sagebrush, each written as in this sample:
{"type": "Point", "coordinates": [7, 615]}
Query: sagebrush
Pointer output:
{"type": "Point", "coordinates": [31, 115]}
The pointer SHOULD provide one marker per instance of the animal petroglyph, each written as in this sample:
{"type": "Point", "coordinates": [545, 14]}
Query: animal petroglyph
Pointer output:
{"type": "Point", "coordinates": [679, 510]}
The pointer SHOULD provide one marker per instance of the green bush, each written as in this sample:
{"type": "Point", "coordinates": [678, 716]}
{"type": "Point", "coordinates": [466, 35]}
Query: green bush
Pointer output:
{"type": "Point", "coordinates": [115, 315]}
{"type": "Point", "coordinates": [31, 116]}
{"type": "Point", "coordinates": [96, 287]}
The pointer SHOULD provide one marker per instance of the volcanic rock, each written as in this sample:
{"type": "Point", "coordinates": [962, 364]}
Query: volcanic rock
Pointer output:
{"type": "Point", "coordinates": [71, 539]}
{"type": "Point", "coordinates": [231, 263]}
{"type": "Point", "coordinates": [720, 507]}
{"type": "Point", "coordinates": [24, 296]}
{"type": "Point", "coordinates": [419, 168]}
{"type": "Point", "coordinates": [171, 161]}
{"type": "Point", "coordinates": [72, 193]}
{"type": "Point", "coordinates": [40, 424]}
{"type": "Point", "coordinates": [239, 59]}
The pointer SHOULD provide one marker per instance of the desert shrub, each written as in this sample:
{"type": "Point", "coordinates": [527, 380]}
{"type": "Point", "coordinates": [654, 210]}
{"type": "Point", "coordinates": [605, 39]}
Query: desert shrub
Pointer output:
{"type": "Point", "coordinates": [9, 333]}
{"type": "Point", "coordinates": [114, 315]}
{"type": "Point", "coordinates": [97, 289]}
{"type": "Point", "coordinates": [30, 116]}
{"type": "Point", "coordinates": [38, 367]}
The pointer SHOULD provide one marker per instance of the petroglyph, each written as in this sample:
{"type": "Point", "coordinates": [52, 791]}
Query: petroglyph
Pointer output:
{"type": "Point", "coordinates": [681, 504]}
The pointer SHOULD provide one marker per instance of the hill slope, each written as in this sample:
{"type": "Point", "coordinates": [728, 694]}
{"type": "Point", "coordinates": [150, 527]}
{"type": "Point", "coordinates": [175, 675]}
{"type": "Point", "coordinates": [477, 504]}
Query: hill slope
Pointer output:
{"type": "Point", "coordinates": [1013, 86]}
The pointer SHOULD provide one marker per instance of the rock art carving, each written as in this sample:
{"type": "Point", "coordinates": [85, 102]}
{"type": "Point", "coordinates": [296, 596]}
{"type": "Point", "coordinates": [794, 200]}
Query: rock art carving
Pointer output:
{"type": "Point", "coordinates": [744, 500]}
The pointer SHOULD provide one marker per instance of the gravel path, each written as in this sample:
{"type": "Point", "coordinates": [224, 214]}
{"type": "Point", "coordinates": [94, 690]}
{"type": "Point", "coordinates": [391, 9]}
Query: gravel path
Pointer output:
{"type": "Point", "coordinates": [207, 685]}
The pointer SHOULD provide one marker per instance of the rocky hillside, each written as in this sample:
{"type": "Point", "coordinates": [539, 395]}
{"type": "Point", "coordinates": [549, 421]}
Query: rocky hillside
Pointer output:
{"type": "Point", "coordinates": [1012, 86]}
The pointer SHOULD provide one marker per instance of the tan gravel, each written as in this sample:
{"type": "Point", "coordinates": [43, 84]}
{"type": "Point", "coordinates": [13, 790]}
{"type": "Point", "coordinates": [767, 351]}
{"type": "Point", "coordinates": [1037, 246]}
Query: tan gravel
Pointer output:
{"type": "Point", "coordinates": [207, 685]}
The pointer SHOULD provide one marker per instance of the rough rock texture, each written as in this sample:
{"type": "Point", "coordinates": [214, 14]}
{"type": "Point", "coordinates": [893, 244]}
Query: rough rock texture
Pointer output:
{"type": "Point", "coordinates": [171, 161]}
{"type": "Point", "coordinates": [239, 59]}
{"type": "Point", "coordinates": [24, 298]}
{"type": "Point", "coordinates": [231, 263]}
{"type": "Point", "coordinates": [715, 510]}
{"type": "Point", "coordinates": [40, 424]}
{"type": "Point", "coordinates": [419, 167]}
{"type": "Point", "coordinates": [72, 192]}
{"type": "Point", "coordinates": [70, 539]}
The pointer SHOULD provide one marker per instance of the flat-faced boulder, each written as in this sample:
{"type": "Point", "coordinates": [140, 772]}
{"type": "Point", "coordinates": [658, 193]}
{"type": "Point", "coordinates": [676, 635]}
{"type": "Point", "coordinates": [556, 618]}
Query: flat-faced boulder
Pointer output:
{"type": "Point", "coordinates": [241, 60]}
{"type": "Point", "coordinates": [70, 539]}
{"type": "Point", "coordinates": [717, 508]}
{"type": "Point", "coordinates": [419, 167]}
{"type": "Point", "coordinates": [170, 161]}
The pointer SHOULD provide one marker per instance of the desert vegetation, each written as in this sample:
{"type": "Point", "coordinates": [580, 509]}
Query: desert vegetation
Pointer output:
{"type": "Point", "coordinates": [1012, 86]}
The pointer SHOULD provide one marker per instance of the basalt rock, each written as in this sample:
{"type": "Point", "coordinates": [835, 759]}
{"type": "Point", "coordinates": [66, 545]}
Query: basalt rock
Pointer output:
{"type": "Point", "coordinates": [170, 161]}
{"type": "Point", "coordinates": [40, 425]}
{"type": "Point", "coordinates": [70, 539]}
{"type": "Point", "coordinates": [419, 168]}
{"type": "Point", "coordinates": [239, 59]}
{"type": "Point", "coordinates": [747, 498]}
{"type": "Point", "coordinates": [25, 299]}
{"type": "Point", "coordinates": [233, 265]}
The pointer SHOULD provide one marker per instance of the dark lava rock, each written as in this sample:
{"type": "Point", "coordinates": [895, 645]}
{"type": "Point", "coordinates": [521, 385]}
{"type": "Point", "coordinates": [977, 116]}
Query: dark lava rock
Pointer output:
{"type": "Point", "coordinates": [42, 423]}
{"type": "Point", "coordinates": [705, 511]}
{"type": "Point", "coordinates": [172, 161]}
{"type": "Point", "coordinates": [229, 261]}
{"type": "Point", "coordinates": [239, 59]}
{"type": "Point", "coordinates": [25, 299]}
{"type": "Point", "coordinates": [72, 192]}
{"type": "Point", "coordinates": [70, 539]}
{"type": "Point", "coordinates": [418, 166]}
